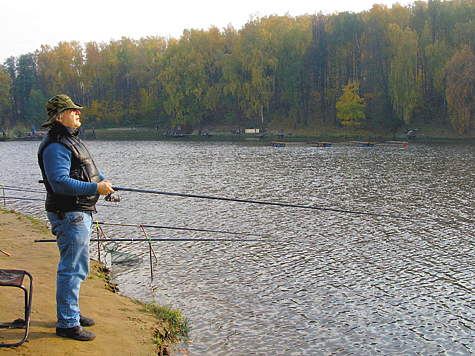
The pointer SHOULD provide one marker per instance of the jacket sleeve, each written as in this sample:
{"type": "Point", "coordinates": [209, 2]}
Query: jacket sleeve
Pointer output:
{"type": "Point", "coordinates": [57, 162]}
{"type": "Point", "coordinates": [101, 175]}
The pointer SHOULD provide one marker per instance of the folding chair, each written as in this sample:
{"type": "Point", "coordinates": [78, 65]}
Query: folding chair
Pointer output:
{"type": "Point", "coordinates": [14, 278]}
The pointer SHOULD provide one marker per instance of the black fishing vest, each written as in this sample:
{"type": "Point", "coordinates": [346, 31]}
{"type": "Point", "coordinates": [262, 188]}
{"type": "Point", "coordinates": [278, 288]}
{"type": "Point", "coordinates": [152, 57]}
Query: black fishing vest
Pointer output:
{"type": "Point", "coordinates": [82, 168]}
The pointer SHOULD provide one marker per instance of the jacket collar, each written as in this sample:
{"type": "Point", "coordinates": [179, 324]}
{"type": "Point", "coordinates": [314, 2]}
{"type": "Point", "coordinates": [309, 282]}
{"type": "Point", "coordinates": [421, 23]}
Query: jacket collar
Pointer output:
{"type": "Point", "coordinates": [64, 130]}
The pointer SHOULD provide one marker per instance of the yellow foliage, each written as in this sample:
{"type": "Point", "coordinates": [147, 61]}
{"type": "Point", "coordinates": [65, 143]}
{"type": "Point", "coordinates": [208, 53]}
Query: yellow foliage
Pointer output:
{"type": "Point", "coordinates": [350, 106]}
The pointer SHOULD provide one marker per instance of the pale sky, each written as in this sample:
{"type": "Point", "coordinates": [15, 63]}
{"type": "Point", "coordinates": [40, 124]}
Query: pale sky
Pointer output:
{"type": "Point", "coordinates": [27, 24]}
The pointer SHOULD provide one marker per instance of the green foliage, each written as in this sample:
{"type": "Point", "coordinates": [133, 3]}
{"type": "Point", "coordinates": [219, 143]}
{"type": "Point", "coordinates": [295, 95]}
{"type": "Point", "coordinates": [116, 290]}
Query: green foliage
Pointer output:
{"type": "Point", "coordinates": [405, 81]}
{"type": "Point", "coordinates": [185, 81]}
{"type": "Point", "coordinates": [4, 96]}
{"type": "Point", "coordinates": [35, 107]}
{"type": "Point", "coordinates": [176, 323]}
{"type": "Point", "coordinates": [282, 68]}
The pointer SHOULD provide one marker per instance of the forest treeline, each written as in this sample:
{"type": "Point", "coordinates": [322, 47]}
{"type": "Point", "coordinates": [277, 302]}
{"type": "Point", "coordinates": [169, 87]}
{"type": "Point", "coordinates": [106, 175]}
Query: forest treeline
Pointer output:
{"type": "Point", "coordinates": [412, 63]}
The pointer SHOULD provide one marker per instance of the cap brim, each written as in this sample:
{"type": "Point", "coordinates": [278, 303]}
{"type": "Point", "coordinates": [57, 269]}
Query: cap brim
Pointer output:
{"type": "Point", "coordinates": [50, 121]}
{"type": "Point", "coordinates": [74, 106]}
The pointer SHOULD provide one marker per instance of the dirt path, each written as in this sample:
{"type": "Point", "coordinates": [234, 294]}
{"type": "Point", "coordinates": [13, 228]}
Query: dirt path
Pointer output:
{"type": "Point", "coordinates": [122, 328]}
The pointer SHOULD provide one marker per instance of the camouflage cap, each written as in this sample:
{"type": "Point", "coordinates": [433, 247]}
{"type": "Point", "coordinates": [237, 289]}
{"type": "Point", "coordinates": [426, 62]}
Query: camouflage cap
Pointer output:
{"type": "Point", "coordinates": [56, 105]}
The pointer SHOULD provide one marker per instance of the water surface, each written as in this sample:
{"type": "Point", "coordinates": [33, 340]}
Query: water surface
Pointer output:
{"type": "Point", "coordinates": [317, 282]}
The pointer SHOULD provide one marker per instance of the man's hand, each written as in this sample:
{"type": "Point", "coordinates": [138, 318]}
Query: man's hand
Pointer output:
{"type": "Point", "coordinates": [105, 187]}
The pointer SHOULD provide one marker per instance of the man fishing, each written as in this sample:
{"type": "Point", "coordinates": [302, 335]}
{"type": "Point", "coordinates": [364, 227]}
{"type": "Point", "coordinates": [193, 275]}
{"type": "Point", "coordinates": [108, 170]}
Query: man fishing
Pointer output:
{"type": "Point", "coordinates": [73, 184]}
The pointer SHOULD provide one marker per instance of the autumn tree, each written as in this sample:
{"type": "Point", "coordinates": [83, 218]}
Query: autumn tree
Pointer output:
{"type": "Point", "coordinates": [232, 81]}
{"type": "Point", "coordinates": [292, 84]}
{"type": "Point", "coordinates": [345, 31]}
{"type": "Point", "coordinates": [376, 54]}
{"type": "Point", "coordinates": [90, 71]}
{"type": "Point", "coordinates": [350, 107]}
{"type": "Point", "coordinates": [69, 62]}
{"type": "Point", "coordinates": [146, 70]}
{"type": "Point", "coordinates": [47, 69]}
{"type": "Point", "coordinates": [4, 96]}
{"type": "Point", "coordinates": [436, 56]}
{"type": "Point", "coordinates": [459, 76]}
{"type": "Point", "coordinates": [184, 81]}
{"type": "Point", "coordinates": [258, 64]}
{"type": "Point", "coordinates": [315, 62]}
{"type": "Point", "coordinates": [404, 79]}
{"type": "Point", "coordinates": [209, 47]}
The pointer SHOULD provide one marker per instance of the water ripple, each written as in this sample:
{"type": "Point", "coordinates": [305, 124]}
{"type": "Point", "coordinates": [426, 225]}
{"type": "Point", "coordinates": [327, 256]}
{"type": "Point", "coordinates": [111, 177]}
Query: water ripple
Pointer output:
{"type": "Point", "coordinates": [324, 283]}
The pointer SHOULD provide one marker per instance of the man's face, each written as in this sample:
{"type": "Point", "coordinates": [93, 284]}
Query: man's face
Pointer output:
{"type": "Point", "coordinates": [71, 118]}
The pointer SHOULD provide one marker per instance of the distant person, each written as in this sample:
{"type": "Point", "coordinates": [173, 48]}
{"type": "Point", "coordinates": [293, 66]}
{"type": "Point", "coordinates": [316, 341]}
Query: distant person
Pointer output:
{"type": "Point", "coordinates": [4, 133]}
{"type": "Point", "coordinates": [73, 185]}
{"type": "Point", "coordinates": [33, 131]}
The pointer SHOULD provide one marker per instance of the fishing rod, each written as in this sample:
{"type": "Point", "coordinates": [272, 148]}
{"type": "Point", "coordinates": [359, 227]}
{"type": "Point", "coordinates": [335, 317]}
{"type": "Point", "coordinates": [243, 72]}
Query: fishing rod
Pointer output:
{"type": "Point", "coordinates": [176, 228]}
{"type": "Point", "coordinates": [162, 239]}
{"type": "Point", "coordinates": [18, 198]}
{"type": "Point", "coordinates": [287, 205]}
{"type": "Point", "coordinates": [18, 189]}
{"type": "Point", "coordinates": [111, 198]}
{"type": "Point", "coordinates": [28, 190]}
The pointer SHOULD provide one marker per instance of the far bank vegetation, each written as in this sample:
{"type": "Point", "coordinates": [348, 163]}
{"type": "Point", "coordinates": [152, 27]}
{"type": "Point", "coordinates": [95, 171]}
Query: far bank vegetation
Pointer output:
{"type": "Point", "coordinates": [406, 65]}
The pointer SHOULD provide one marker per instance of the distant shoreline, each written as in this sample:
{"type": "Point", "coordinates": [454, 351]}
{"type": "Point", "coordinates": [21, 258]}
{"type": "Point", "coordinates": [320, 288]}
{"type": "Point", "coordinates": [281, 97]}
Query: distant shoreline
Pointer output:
{"type": "Point", "coordinates": [268, 136]}
{"type": "Point", "coordinates": [226, 133]}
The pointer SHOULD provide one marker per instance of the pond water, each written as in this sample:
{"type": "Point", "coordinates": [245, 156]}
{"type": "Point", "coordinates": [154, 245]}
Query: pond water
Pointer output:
{"type": "Point", "coordinates": [316, 282]}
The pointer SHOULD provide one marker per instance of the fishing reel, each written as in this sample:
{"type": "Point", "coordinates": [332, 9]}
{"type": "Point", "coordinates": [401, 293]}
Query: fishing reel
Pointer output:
{"type": "Point", "coordinates": [112, 199]}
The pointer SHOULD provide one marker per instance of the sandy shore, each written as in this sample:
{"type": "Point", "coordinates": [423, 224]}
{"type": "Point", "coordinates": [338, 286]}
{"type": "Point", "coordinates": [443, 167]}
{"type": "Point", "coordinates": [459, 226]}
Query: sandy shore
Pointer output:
{"type": "Point", "coordinates": [122, 327]}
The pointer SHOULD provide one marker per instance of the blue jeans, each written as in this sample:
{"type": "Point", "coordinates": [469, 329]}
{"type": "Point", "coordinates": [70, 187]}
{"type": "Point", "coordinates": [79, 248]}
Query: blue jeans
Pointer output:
{"type": "Point", "coordinates": [73, 233]}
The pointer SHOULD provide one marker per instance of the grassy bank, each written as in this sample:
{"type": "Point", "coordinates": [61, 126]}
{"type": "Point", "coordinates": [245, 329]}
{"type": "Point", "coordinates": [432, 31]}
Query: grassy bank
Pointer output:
{"type": "Point", "coordinates": [271, 133]}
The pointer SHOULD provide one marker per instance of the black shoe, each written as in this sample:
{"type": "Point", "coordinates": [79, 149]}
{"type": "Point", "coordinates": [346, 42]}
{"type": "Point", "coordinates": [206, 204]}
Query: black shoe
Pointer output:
{"type": "Point", "coordinates": [76, 333]}
{"type": "Point", "coordinates": [86, 321]}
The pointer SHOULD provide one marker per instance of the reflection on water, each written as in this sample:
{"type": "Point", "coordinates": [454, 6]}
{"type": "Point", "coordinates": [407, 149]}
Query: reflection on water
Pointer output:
{"type": "Point", "coordinates": [320, 282]}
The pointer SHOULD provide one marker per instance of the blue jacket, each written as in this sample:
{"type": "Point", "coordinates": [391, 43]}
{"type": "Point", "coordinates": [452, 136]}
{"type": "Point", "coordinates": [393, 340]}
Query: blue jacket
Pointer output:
{"type": "Point", "coordinates": [69, 172]}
